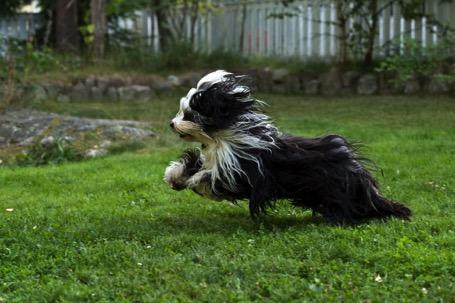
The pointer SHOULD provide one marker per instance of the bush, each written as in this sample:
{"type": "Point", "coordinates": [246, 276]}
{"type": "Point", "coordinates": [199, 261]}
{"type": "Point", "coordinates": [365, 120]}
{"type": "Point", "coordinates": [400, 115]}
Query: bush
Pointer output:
{"type": "Point", "coordinates": [418, 62]}
{"type": "Point", "coordinates": [51, 151]}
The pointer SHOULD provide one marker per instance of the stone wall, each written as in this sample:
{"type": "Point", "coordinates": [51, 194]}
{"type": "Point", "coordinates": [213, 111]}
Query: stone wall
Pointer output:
{"type": "Point", "coordinates": [331, 83]}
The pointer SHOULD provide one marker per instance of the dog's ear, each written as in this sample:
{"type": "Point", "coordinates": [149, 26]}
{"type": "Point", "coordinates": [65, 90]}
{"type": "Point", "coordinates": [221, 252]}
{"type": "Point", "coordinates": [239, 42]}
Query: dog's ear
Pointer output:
{"type": "Point", "coordinates": [224, 101]}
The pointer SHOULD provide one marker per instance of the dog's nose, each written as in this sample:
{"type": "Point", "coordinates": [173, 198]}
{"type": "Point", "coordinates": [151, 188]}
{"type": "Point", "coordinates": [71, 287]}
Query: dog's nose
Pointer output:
{"type": "Point", "coordinates": [171, 125]}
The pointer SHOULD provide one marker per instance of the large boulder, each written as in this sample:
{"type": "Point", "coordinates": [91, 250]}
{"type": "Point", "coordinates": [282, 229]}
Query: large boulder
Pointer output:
{"type": "Point", "coordinates": [24, 127]}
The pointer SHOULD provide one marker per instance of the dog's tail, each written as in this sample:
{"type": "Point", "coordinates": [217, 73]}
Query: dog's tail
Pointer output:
{"type": "Point", "coordinates": [387, 208]}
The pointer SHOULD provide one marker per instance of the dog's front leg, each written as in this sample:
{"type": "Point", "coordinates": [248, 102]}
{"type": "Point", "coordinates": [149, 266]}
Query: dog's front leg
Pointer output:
{"type": "Point", "coordinates": [179, 172]}
{"type": "Point", "coordinates": [201, 183]}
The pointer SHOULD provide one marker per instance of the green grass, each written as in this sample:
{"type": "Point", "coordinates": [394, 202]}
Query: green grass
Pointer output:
{"type": "Point", "coordinates": [111, 230]}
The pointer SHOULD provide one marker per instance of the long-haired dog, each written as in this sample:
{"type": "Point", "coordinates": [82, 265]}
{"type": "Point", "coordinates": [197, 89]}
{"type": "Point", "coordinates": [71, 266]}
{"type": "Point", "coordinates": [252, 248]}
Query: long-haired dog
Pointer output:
{"type": "Point", "coordinates": [244, 156]}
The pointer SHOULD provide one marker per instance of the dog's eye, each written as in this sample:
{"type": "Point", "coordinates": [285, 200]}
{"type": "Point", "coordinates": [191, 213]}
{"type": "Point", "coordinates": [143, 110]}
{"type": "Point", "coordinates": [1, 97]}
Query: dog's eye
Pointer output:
{"type": "Point", "coordinates": [189, 116]}
{"type": "Point", "coordinates": [196, 100]}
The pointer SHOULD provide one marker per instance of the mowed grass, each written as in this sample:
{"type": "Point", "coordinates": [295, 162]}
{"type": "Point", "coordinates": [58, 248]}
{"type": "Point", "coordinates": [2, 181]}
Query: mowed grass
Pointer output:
{"type": "Point", "coordinates": [111, 230]}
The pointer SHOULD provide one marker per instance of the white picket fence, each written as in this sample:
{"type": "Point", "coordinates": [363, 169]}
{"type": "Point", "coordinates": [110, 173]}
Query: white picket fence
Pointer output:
{"type": "Point", "coordinates": [307, 34]}
{"type": "Point", "coordinates": [310, 33]}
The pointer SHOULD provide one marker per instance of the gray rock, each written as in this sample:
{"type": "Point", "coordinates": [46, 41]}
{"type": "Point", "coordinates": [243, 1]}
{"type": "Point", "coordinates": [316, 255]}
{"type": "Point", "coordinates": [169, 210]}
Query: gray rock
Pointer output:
{"type": "Point", "coordinates": [90, 81]}
{"type": "Point", "coordinates": [312, 87]}
{"type": "Point", "coordinates": [350, 78]}
{"type": "Point", "coordinates": [53, 89]}
{"type": "Point", "coordinates": [79, 92]}
{"type": "Point", "coordinates": [134, 92]}
{"type": "Point", "coordinates": [293, 84]}
{"type": "Point", "coordinates": [35, 93]}
{"type": "Point", "coordinates": [95, 152]}
{"type": "Point", "coordinates": [24, 126]}
{"type": "Point", "coordinates": [175, 81]}
{"type": "Point", "coordinates": [97, 93]}
{"type": "Point", "coordinates": [263, 79]}
{"type": "Point", "coordinates": [63, 98]}
{"type": "Point", "coordinates": [331, 82]}
{"type": "Point", "coordinates": [190, 79]}
{"type": "Point", "coordinates": [112, 93]}
{"type": "Point", "coordinates": [279, 75]}
{"type": "Point", "coordinates": [163, 86]}
{"type": "Point", "coordinates": [438, 86]}
{"type": "Point", "coordinates": [411, 87]}
{"type": "Point", "coordinates": [367, 84]}
{"type": "Point", "coordinates": [47, 141]}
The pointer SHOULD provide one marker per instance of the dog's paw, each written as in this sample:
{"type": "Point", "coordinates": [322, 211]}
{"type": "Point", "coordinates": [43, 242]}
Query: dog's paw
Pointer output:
{"type": "Point", "coordinates": [175, 175]}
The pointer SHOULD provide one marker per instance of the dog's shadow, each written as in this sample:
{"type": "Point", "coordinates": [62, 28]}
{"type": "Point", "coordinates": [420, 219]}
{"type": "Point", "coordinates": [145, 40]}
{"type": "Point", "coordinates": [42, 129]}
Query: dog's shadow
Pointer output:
{"type": "Point", "coordinates": [223, 223]}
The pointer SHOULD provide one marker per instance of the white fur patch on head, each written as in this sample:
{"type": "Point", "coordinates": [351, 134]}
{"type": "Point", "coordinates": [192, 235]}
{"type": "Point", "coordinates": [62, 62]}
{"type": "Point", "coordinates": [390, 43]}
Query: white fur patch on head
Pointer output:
{"type": "Point", "coordinates": [212, 78]}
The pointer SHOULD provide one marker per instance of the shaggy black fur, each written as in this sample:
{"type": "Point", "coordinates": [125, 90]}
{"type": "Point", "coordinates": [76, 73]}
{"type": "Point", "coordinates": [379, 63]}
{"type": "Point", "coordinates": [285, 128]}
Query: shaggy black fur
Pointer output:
{"type": "Point", "coordinates": [324, 174]}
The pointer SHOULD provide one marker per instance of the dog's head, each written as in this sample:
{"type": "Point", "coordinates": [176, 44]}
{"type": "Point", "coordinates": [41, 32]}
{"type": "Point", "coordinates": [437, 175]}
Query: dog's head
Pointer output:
{"type": "Point", "coordinates": [217, 103]}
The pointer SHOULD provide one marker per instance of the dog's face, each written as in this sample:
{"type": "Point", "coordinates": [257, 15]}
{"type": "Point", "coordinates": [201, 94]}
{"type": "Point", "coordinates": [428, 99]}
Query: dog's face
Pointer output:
{"type": "Point", "coordinates": [214, 105]}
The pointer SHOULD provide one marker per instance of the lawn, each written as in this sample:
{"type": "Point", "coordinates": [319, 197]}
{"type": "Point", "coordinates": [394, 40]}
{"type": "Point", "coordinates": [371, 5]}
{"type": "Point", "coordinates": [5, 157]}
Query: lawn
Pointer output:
{"type": "Point", "coordinates": [111, 230]}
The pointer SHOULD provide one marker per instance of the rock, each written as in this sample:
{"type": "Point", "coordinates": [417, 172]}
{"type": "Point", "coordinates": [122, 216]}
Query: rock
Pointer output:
{"type": "Point", "coordinates": [119, 131]}
{"type": "Point", "coordinates": [53, 89]}
{"type": "Point", "coordinates": [174, 80]}
{"type": "Point", "coordinates": [349, 79]}
{"type": "Point", "coordinates": [35, 93]}
{"type": "Point", "coordinates": [106, 144]}
{"type": "Point", "coordinates": [47, 141]}
{"type": "Point", "coordinates": [112, 93]}
{"type": "Point", "coordinates": [63, 98]}
{"type": "Point", "coordinates": [190, 79]}
{"type": "Point", "coordinates": [263, 79]}
{"type": "Point", "coordinates": [90, 81]}
{"type": "Point", "coordinates": [97, 93]}
{"type": "Point", "coordinates": [95, 152]}
{"type": "Point", "coordinates": [79, 92]}
{"type": "Point", "coordinates": [312, 87]}
{"type": "Point", "coordinates": [367, 84]}
{"type": "Point", "coordinates": [134, 92]}
{"type": "Point", "coordinates": [411, 87]}
{"type": "Point", "coordinates": [279, 75]}
{"type": "Point", "coordinates": [293, 84]}
{"type": "Point", "coordinates": [331, 82]}
{"type": "Point", "coordinates": [438, 86]}
{"type": "Point", "coordinates": [24, 126]}
{"type": "Point", "coordinates": [163, 86]}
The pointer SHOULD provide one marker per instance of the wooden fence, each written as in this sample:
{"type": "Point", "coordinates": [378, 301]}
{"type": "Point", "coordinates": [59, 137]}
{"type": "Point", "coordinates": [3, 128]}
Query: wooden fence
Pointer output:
{"type": "Point", "coordinates": [252, 30]}
{"type": "Point", "coordinates": [308, 33]}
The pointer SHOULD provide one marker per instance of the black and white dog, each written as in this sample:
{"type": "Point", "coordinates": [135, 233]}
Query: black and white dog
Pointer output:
{"type": "Point", "coordinates": [244, 156]}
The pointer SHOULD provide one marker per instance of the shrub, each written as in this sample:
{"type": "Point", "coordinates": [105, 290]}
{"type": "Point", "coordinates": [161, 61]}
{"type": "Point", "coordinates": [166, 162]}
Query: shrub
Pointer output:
{"type": "Point", "coordinates": [52, 151]}
{"type": "Point", "coordinates": [422, 62]}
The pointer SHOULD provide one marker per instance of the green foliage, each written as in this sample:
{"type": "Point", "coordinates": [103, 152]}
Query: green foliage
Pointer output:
{"type": "Point", "coordinates": [56, 152]}
{"type": "Point", "coordinates": [9, 7]}
{"type": "Point", "coordinates": [110, 230]}
{"type": "Point", "coordinates": [27, 59]}
{"type": "Point", "coordinates": [422, 62]}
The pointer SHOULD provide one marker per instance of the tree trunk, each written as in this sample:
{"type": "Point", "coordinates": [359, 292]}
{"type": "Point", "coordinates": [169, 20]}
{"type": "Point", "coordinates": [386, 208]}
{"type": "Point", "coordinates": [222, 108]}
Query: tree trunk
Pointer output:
{"type": "Point", "coordinates": [164, 31]}
{"type": "Point", "coordinates": [66, 27]}
{"type": "Point", "coordinates": [342, 33]}
{"type": "Point", "coordinates": [98, 19]}
{"type": "Point", "coordinates": [372, 31]}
